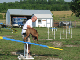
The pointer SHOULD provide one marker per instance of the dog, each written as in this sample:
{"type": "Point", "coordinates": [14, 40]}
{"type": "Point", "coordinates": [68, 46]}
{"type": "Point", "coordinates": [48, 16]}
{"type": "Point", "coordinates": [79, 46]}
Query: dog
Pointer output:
{"type": "Point", "coordinates": [33, 32]}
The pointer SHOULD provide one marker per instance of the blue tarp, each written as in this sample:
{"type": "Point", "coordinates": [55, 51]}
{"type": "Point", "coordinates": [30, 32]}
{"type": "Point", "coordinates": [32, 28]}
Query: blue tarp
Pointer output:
{"type": "Point", "coordinates": [1, 23]}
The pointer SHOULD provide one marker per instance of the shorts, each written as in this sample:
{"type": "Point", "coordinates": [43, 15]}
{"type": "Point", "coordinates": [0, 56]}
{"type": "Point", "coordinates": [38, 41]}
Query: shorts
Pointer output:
{"type": "Point", "coordinates": [27, 39]}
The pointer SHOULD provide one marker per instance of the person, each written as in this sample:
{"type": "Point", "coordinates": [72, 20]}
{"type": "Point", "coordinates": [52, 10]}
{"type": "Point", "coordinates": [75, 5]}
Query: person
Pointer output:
{"type": "Point", "coordinates": [28, 24]}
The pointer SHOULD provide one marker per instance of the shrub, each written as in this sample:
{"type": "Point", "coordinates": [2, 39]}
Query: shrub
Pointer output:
{"type": "Point", "coordinates": [1, 16]}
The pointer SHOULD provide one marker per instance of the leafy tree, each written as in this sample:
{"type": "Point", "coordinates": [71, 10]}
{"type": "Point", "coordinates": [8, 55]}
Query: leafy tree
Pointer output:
{"type": "Point", "coordinates": [75, 7]}
{"type": "Point", "coordinates": [52, 5]}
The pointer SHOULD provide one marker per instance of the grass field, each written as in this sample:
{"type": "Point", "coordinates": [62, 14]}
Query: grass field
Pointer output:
{"type": "Point", "coordinates": [70, 46]}
{"type": "Point", "coordinates": [64, 16]}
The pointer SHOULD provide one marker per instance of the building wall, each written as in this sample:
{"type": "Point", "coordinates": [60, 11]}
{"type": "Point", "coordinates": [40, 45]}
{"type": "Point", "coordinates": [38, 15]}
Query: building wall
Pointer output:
{"type": "Point", "coordinates": [8, 18]}
{"type": "Point", "coordinates": [51, 22]}
{"type": "Point", "coordinates": [44, 23]}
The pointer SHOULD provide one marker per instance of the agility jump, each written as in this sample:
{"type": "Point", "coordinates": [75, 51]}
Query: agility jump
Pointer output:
{"type": "Point", "coordinates": [26, 43]}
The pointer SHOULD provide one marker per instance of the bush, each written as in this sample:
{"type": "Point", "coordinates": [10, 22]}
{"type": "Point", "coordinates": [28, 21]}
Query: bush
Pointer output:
{"type": "Point", "coordinates": [1, 16]}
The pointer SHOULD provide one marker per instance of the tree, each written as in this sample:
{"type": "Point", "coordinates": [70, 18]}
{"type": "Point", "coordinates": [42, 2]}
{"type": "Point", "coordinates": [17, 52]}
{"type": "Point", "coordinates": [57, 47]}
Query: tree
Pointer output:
{"type": "Point", "coordinates": [75, 7]}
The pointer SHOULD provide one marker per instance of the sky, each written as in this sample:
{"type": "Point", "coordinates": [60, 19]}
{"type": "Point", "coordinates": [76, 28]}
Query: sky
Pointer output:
{"type": "Point", "coordinates": [1, 1]}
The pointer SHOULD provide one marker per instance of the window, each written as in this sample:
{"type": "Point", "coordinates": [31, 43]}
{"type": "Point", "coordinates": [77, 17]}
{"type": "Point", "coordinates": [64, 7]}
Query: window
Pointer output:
{"type": "Point", "coordinates": [39, 21]}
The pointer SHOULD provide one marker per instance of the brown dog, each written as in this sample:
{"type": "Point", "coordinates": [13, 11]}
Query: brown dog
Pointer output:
{"type": "Point", "coordinates": [33, 32]}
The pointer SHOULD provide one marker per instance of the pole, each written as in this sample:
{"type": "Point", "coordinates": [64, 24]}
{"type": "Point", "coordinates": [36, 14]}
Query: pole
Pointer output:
{"type": "Point", "coordinates": [27, 50]}
{"type": "Point", "coordinates": [63, 30]}
{"type": "Point", "coordinates": [71, 32]}
{"type": "Point", "coordinates": [66, 29]}
{"type": "Point", "coordinates": [69, 29]}
{"type": "Point", "coordinates": [24, 49]}
{"type": "Point", "coordinates": [54, 32]}
{"type": "Point", "coordinates": [60, 34]}
{"type": "Point", "coordinates": [48, 32]}
{"type": "Point", "coordinates": [48, 35]}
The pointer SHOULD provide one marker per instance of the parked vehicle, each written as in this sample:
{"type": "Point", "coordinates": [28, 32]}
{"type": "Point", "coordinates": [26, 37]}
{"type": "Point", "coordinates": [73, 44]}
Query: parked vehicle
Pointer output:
{"type": "Point", "coordinates": [18, 21]}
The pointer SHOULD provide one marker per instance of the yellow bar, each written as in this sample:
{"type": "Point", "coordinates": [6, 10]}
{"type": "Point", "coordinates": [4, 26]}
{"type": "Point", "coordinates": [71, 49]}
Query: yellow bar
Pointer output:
{"type": "Point", "coordinates": [51, 47]}
{"type": "Point", "coordinates": [55, 48]}
{"type": "Point", "coordinates": [60, 49]}
{"type": "Point", "coordinates": [1, 37]}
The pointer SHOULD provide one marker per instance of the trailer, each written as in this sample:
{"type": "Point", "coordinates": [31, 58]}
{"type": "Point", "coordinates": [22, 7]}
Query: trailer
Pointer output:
{"type": "Point", "coordinates": [18, 21]}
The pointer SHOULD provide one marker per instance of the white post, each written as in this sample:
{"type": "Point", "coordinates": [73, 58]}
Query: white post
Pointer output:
{"type": "Point", "coordinates": [54, 32]}
{"type": "Point", "coordinates": [25, 53]}
{"type": "Point", "coordinates": [69, 29]}
{"type": "Point", "coordinates": [71, 32]}
{"type": "Point", "coordinates": [63, 30]}
{"type": "Point", "coordinates": [24, 49]}
{"type": "Point", "coordinates": [48, 32]}
{"type": "Point", "coordinates": [66, 30]}
{"type": "Point", "coordinates": [60, 35]}
{"type": "Point", "coordinates": [27, 50]}
{"type": "Point", "coordinates": [48, 35]}
{"type": "Point", "coordinates": [56, 29]}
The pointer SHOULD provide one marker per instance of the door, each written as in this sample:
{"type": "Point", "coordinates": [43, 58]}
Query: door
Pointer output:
{"type": "Point", "coordinates": [48, 23]}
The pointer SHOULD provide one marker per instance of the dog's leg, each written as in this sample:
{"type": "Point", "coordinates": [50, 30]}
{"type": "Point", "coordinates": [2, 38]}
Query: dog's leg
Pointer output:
{"type": "Point", "coordinates": [27, 34]}
{"type": "Point", "coordinates": [26, 37]}
{"type": "Point", "coordinates": [37, 37]}
{"type": "Point", "coordinates": [37, 40]}
{"type": "Point", "coordinates": [33, 38]}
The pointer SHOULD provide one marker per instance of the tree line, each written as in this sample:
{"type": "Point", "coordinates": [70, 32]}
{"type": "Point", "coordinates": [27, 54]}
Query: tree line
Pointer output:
{"type": "Point", "coordinates": [51, 5]}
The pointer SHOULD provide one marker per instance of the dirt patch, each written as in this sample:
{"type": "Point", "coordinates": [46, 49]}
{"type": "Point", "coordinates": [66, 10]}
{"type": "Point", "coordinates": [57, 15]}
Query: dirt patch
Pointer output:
{"type": "Point", "coordinates": [60, 44]}
{"type": "Point", "coordinates": [53, 59]}
{"type": "Point", "coordinates": [0, 49]}
{"type": "Point", "coordinates": [57, 44]}
{"type": "Point", "coordinates": [71, 45]}
{"type": "Point", "coordinates": [45, 58]}
{"type": "Point", "coordinates": [7, 36]}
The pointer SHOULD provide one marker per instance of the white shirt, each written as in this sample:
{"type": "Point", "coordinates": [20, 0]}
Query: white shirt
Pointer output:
{"type": "Point", "coordinates": [28, 22]}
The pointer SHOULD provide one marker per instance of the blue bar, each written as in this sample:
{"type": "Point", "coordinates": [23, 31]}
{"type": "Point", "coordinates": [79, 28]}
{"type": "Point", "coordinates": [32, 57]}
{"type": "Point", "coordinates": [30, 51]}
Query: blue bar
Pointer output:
{"type": "Point", "coordinates": [7, 39]}
{"type": "Point", "coordinates": [53, 28]}
{"type": "Point", "coordinates": [36, 44]}
{"type": "Point", "coordinates": [32, 43]}
{"type": "Point", "coordinates": [4, 37]}
{"type": "Point", "coordinates": [24, 42]}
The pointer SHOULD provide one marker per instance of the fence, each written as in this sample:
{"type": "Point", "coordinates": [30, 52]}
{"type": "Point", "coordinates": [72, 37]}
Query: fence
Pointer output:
{"type": "Point", "coordinates": [74, 24]}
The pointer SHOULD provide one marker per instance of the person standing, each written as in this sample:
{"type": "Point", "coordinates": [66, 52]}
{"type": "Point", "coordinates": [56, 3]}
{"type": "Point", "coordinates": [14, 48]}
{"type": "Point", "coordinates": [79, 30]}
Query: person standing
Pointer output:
{"type": "Point", "coordinates": [27, 25]}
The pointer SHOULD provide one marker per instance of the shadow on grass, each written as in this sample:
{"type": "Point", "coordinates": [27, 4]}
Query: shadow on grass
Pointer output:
{"type": "Point", "coordinates": [6, 55]}
{"type": "Point", "coordinates": [46, 55]}
{"type": "Point", "coordinates": [2, 54]}
{"type": "Point", "coordinates": [22, 51]}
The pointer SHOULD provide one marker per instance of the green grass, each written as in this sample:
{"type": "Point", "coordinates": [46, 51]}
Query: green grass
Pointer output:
{"type": "Point", "coordinates": [68, 53]}
{"type": "Point", "coordinates": [68, 18]}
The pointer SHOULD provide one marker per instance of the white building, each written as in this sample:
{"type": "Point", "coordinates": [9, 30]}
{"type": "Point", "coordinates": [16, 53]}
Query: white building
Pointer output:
{"type": "Point", "coordinates": [44, 17]}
